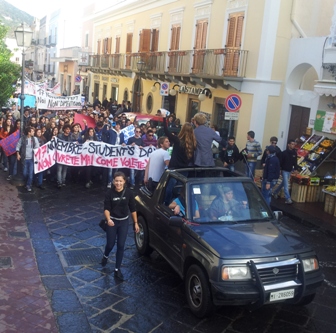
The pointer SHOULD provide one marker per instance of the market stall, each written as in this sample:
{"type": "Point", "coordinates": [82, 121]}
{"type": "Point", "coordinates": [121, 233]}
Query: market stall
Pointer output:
{"type": "Point", "coordinates": [316, 163]}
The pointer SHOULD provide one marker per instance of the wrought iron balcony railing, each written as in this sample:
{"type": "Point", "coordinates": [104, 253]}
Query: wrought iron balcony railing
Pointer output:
{"type": "Point", "coordinates": [212, 63]}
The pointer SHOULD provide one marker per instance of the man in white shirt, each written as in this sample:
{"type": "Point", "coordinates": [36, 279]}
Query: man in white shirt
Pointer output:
{"type": "Point", "coordinates": [157, 163]}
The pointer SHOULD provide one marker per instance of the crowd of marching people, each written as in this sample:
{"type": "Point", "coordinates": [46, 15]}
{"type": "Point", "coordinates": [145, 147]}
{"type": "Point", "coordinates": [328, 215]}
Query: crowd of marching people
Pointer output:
{"type": "Point", "coordinates": [194, 144]}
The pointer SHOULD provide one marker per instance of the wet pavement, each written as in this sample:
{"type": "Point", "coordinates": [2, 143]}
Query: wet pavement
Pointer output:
{"type": "Point", "coordinates": [53, 282]}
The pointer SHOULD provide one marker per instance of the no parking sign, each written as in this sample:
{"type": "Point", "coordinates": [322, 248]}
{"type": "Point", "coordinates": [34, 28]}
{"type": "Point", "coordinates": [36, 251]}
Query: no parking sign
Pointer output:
{"type": "Point", "coordinates": [233, 103]}
{"type": "Point", "coordinates": [164, 90]}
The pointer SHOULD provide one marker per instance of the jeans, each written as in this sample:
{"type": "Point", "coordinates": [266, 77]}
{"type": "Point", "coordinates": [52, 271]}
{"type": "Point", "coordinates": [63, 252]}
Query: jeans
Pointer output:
{"type": "Point", "coordinates": [119, 231]}
{"type": "Point", "coordinates": [284, 184]}
{"type": "Point", "coordinates": [109, 175]}
{"type": "Point", "coordinates": [250, 169]}
{"type": "Point", "coordinates": [61, 173]}
{"type": "Point", "coordinates": [267, 193]}
{"type": "Point", "coordinates": [12, 164]}
{"type": "Point", "coordinates": [28, 171]}
{"type": "Point", "coordinates": [136, 173]}
{"type": "Point", "coordinates": [39, 178]}
{"type": "Point", "coordinates": [231, 167]}
{"type": "Point", "coordinates": [4, 159]}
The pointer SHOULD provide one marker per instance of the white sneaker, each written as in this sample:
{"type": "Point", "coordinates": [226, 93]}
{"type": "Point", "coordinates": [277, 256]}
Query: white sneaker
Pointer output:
{"type": "Point", "coordinates": [5, 169]}
{"type": "Point", "coordinates": [88, 185]}
{"type": "Point", "coordinates": [109, 185]}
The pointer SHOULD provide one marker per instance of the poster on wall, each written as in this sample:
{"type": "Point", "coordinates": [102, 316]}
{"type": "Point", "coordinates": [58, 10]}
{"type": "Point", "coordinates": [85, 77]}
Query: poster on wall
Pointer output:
{"type": "Point", "coordinates": [325, 121]}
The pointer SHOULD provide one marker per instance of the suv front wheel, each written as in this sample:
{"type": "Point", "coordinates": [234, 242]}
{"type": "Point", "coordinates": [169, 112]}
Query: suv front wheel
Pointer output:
{"type": "Point", "coordinates": [141, 238]}
{"type": "Point", "coordinates": [198, 292]}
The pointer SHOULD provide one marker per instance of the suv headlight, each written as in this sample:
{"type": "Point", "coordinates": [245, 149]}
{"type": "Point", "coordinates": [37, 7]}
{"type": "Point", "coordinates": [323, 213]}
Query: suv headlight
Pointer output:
{"type": "Point", "coordinates": [310, 264]}
{"type": "Point", "coordinates": [230, 273]}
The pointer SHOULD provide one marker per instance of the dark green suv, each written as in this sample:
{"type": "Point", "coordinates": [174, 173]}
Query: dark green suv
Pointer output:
{"type": "Point", "coordinates": [224, 241]}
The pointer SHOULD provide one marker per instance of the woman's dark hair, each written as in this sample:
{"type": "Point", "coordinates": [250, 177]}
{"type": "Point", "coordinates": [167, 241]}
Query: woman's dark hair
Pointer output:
{"type": "Point", "coordinates": [15, 126]}
{"type": "Point", "coordinates": [120, 174]}
{"type": "Point", "coordinates": [87, 136]}
{"type": "Point", "coordinates": [66, 126]}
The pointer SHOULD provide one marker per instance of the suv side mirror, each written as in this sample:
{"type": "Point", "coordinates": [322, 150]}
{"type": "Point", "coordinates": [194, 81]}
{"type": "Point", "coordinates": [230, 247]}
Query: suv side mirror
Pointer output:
{"type": "Point", "coordinates": [278, 214]}
{"type": "Point", "coordinates": [176, 221]}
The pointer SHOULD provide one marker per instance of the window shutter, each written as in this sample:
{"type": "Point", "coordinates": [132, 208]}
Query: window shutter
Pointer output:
{"type": "Point", "coordinates": [198, 37]}
{"type": "Point", "coordinates": [178, 34]}
{"type": "Point", "coordinates": [204, 34]}
{"type": "Point", "coordinates": [129, 43]}
{"type": "Point", "coordinates": [105, 41]}
{"type": "Point", "coordinates": [109, 45]}
{"type": "Point", "coordinates": [155, 40]}
{"type": "Point", "coordinates": [233, 42]}
{"type": "Point", "coordinates": [235, 30]}
{"type": "Point", "coordinates": [98, 46]}
{"type": "Point", "coordinates": [175, 38]}
{"type": "Point", "coordinates": [201, 34]}
{"type": "Point", "coordinates": [145, 39]}
{"type": "Point", "coordinates": [231, 32]}
{"type": "Point", "coordinates": [117, 45]}
{"type": "Point", "coordinates": [239, 30]}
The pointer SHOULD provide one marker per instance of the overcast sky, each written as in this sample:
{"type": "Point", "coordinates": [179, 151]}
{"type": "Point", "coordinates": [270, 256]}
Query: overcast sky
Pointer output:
{"type": "Point", "coordinates": [40, 8]}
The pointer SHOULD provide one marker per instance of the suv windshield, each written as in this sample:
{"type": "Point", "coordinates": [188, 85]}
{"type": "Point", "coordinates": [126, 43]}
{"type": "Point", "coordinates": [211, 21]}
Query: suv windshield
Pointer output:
{"type": "Point", "coordinates": [228, 202]}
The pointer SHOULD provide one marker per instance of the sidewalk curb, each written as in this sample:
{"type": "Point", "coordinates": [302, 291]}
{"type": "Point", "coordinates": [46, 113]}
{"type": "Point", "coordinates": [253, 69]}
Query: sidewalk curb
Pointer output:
{"type": "Point", "coordinates": [305, 218]}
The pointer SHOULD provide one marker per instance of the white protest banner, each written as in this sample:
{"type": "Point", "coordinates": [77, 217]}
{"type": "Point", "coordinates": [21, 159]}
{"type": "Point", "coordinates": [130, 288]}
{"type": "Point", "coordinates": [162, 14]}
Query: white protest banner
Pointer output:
{"type": "Point", "coordinates": [56, 89]}
{"type": "Point", "coordinates": [50, 101]}
{"type": "Point", "coordinates": [90, 153]}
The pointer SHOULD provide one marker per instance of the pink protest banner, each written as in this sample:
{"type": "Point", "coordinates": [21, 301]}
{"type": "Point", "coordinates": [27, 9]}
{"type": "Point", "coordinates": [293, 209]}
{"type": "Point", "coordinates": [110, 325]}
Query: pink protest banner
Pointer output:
{"type": "Point", "coordinates": [9, 144]}
{"type": "Point", "coordinates": [79, 119]}
{"type": "Point", "coordinates": [90, 153]}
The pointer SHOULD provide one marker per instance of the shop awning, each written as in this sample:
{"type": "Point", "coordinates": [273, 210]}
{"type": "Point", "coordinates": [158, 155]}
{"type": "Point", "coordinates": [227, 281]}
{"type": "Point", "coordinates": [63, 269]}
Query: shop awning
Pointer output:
{"type": "Point", "coordinates": [325, 88]}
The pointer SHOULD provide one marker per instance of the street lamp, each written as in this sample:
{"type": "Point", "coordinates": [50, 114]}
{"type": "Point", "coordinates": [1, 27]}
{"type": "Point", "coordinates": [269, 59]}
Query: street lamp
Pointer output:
{"type": "Point", "coordinates": [23, 37]}
{"type": "Point", "coordinates": [153, 89]}
{"type": "Point", "coordinates": [140, 67]}
{"type": "Point", "coordinates": [205, 93]}
{"type": "Point", "coordinates": [173, 91]}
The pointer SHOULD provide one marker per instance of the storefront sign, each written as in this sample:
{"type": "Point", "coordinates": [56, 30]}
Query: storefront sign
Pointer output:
{"type": "Point", "coordinates": [190, 90]}
{"type": "Point", "coordinates": [231, 115]}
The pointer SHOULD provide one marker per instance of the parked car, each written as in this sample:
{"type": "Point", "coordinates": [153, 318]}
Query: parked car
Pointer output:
{"type": "Point", "coordinates": [228, 246]}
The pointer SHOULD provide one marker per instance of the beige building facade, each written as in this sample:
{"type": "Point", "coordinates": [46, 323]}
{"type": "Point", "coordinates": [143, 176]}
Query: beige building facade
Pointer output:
{"type": "Point", "coordinates": [188, 56]}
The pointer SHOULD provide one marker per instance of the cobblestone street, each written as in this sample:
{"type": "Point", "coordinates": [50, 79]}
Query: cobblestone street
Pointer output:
{"type": "Point", "coordinates": [84, 297]}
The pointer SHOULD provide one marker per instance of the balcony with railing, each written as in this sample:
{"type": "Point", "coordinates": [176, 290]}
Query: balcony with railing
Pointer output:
{"type": "Point", "coordinates": [51, 41]}
{"type": "Point", "coordinates": [214, 63]}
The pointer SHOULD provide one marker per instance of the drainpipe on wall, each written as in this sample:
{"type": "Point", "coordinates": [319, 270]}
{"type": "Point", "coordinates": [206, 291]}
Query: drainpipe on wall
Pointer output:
{"type": "Point", "coordinates": [296, 25]}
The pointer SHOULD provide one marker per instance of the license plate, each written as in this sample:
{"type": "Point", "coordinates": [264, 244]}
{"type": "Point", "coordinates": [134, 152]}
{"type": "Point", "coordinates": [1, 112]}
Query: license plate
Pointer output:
{"type": "Point", "coordinates": [283, 294]}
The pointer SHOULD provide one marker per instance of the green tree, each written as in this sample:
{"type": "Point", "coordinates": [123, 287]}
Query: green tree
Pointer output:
{"type": "Point", "coordinates": [9, 71]}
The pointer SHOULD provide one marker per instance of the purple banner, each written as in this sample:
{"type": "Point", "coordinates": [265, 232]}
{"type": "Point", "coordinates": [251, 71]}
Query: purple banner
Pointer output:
{"type": "Point", "coordinates": [9, 144]}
